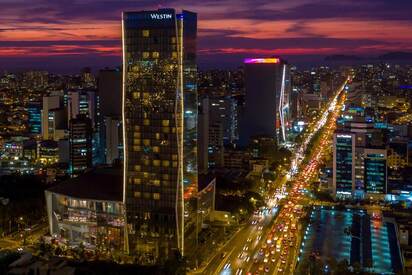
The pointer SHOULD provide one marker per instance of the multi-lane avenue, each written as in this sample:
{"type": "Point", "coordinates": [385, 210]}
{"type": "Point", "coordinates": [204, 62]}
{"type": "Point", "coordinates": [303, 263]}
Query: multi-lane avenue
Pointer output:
{"type": "Point", "coordinates": [269, 243]}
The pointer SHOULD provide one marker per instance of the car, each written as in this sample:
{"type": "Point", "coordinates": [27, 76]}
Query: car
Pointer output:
{"type": "Point", "coordinates": [249, 240]}
{"type": "Point", "coordinates": [272, 251]}
{"type": "Point", "coordinates": [223, 255]}
{"type": "Point", "coordinates": [261, 268]}
{"type": "Point", "coordinates": [247, 259]}
{"type": "Point", "coordinates": [226, 266]}
{"type": "Point", "coordinates": [245, 248]}
{"type": "Point", "coordinates": [280, 269]}
{"type": "Point", "coordinates": [283, 261]}
{"type": "Point", "coordinates": [273, 259]}
{"type": "Point", "coordinates": [260, 227]}
{"type": "Point", "coordinates": [255, 260]}
{"type": "Point", "coordinates": [240, 255]}
{"type": "Point", "coordinates": [265, 260]}
{"type": "Point", "coordinates": [239, 271]}
{"type": "Point", "coordinates": [261, 251]}
{"type": "Point", "coordinates": [267, 269]}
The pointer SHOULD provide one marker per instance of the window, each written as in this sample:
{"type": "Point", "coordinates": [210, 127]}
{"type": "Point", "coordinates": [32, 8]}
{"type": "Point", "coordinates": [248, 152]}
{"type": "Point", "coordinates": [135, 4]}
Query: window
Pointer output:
{"type": "Point", "coordinates": [156, 182]}
{"type": "Point", "coordinates": [156, 196]}
{"type": "Point", "coordinates": [165, 122]}
{"type": "Point", "coordinates": [145, 33]}
{"type": "Point", "coordinates": [136, 148]}
{"type": "Point", "coordinates": [146, 122]}
{"type": "Point", "coordinates": [156, 149]}
{"type": "Point", "coordinates": [165, 163]}
{"type": "Point", "coordinates": [136, 141]}
{"type": "Point", "coordinates": [174, 54]}
{"type": "Point", "coordinates": [136, 134]}
{"type": "Point", "coordinates": [136, 95]}
{"type": "Point", "coordinates": [156, 162]}
{"type": "Point", "coordinates": [146, 142]}
{"type": "Point", "coordinates": [155, 54]}
{"type": "Point", "coordinates": [145, 55]}
{"type": "Point", "coordinates": [137, 194]}
{"type": "Point", "coordinates": [137, 181]}
{"type": "Point", "coordinates": [137, 168]}
{"type": "Point", "coordinates": [157, 136]}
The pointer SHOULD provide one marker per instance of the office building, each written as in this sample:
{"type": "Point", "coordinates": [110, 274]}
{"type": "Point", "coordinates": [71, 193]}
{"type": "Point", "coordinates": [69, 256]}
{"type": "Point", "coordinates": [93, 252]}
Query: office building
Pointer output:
{"type": "Point", "coordinates": [49, 103]}
{"type": "Point", "coordinates": [80, 144]}
{"type": "Point", "coordinates": [35, 117]}
{"type": "Point", "coordinates": [375, 178]}
{"type": "Point", "coordinates": [82, 102]}
{"type": "Point", "coordinates": [160, 131]}
{"type": "Point", "coordinates": [109, 89]}
{"type": "Point", "coordinates": [266, 107]}
{"type": "Point", "coordinates": [113, 139]}
{"type": "Point", "coordinates": [343, 164]}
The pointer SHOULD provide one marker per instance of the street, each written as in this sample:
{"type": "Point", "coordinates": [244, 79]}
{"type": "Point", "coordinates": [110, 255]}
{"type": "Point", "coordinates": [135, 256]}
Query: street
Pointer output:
{"type": "Point", "coordinates": [269, 243]}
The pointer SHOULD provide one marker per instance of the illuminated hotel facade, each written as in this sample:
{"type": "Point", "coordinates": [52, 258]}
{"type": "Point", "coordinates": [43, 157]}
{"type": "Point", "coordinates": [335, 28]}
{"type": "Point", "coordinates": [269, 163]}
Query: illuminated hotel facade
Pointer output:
{"type": "Point", "coordinates": [266, 110]}
{"type": "Point", "coordinates": [160, 131]}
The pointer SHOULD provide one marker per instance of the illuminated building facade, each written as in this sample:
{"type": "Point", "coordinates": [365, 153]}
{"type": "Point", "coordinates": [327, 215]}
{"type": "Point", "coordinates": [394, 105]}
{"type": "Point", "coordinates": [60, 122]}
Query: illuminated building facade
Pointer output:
{"type": "Point", "coordinates": [93, 216]}
{"type": "Point", "coordinates": [375, 171]}
{"type": "Point", "coordinates": [80, 144]}
{"type": "Point", "coordinates": [266, 110]}
{"type": "Point", "coordinates": [34, 110]}
{"type": "Point", "coordinates": [343, 164]}
{"type": "Point", "coordinates": [160, 131]}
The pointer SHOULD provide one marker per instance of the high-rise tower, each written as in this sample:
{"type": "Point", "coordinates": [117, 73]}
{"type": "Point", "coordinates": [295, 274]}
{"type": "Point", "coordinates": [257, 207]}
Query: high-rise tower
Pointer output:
{"type": "Point", "coordinates": [160, 131]}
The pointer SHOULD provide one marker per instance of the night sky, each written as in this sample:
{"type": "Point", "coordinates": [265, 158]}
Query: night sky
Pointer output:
{"type": "Point", "coordinates": [65, 35]}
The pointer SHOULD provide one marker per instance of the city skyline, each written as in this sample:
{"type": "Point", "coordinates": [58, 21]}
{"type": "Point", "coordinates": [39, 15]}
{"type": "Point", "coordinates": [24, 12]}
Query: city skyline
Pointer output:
{"type": "Point", "coordinates": [79, 34]}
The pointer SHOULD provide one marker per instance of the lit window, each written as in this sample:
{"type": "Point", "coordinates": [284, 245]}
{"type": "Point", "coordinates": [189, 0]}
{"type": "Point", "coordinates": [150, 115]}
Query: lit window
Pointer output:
{"type": "Point", "coordinates": [174, 157]}
{"type": "Point", "coordinates": [136, 141]}
{"type": "Point", "coordinates": [137, 181]}
{"type": "Point", "coordinates": [165, 122]}
{"type": "Point", "coordinates": [174, 164]}
{"type": "Point", "coordinates": [156, 162]}
{"type": "Point", "coordinates": [136, 148]}
{"type": "Point", "coordinates": [166, 130]}
{"type": "Point", "coordinates": [136, 95]}
{"type": "Point", "coordinates": [174, 54]}
{"type": "Point", "coordinates": [145, 55]}
{"type": "Point", "coordinates": [137, 167]}
{"type": "Point", "coordinates": [145, 174]}
{"type": "Point", "coordinates": [156, 182]}
{"type": "Point", "coordinates": [137, 194]}
{"type": "Point", "coordinates": [145, 33]}
{"type": "Point", "coordinates": [156, 149]}
{"type": "Point", "coordinates": [155, 54]}
{"type": "Point", "coordinates": [156, 196]}
{"type": "Point", "coordinates": [146, 162]}
{"type": "Point", "coordinates": [146, 142]}
{"type": "Point", "coordinates": [165, 176]}
{"type": "Point", "coordinates": [136, 134]}
{"type": "Point", "coordinates": [157, 135]}
{"type": "Point", "coordinates": [146, 122]}
{"type": "Point", "coordinates": [173, 40]}
{"type": "Point", "coordinates": [165, 163]}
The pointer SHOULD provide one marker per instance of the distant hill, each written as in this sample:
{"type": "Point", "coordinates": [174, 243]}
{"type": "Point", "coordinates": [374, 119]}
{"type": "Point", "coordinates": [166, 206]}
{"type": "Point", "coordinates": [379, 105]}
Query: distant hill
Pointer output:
{"type": "Point", "coordinates": [342, 57]}
{"type": "Point", "coordinates": [396, 56]}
